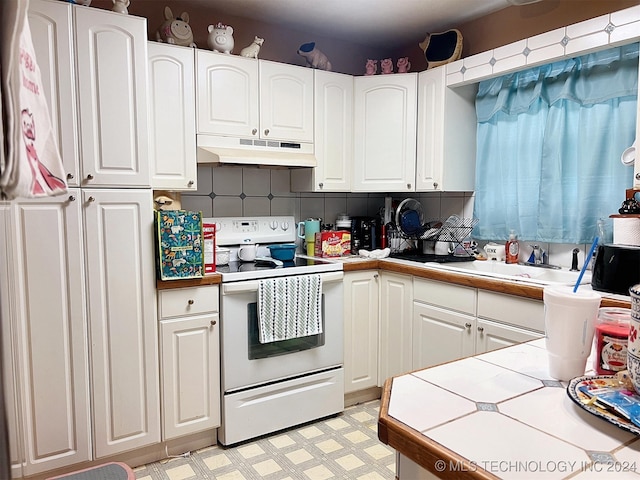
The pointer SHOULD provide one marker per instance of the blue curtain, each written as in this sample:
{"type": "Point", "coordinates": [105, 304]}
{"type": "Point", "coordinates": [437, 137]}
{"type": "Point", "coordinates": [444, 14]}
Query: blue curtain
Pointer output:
{"type": "Point", "coordinates": [549, 142]}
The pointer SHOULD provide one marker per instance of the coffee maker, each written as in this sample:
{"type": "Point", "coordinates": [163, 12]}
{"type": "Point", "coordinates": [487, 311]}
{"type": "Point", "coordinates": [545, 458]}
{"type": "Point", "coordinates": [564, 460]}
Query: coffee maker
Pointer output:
{"type": "Point", "coordinates": [364, 234]}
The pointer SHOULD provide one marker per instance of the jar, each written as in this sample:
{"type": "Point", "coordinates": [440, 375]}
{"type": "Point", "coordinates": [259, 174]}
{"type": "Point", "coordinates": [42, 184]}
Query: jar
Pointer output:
{"type": "Point", "coordinates": [611, 340]}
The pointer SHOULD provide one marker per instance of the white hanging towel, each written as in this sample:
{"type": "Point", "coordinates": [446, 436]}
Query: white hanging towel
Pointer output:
{"type": "Point", "coordinates": [289, 307]}
{"type": "Point", "coordinates": [32, 166]}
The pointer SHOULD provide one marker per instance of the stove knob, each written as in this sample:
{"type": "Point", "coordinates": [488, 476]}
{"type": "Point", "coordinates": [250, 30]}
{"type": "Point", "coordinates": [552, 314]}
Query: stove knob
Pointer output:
{"type": "Point", "coordinates": [273, 225]}
{"type": "Point", "coordinates": [285, 226]}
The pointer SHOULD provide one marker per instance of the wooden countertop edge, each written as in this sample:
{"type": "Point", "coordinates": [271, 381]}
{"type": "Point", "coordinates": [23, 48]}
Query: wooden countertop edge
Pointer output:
{"type": "Point", "coordinates": [473, 281]}
{"type": "Point", "coordinates": [421, 449]}
{"type": "Point", "coordinates": [211, 279]}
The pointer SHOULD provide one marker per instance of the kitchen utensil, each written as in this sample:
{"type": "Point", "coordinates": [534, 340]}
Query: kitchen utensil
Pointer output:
{"type": "Point", "coordinates": [248, 252]}
{"type": "Point", "coordinates": [584, 267]}
{"type": "Point", "coordinates": [283, 251]}
{"type": "Point", "coordinates": [411, 219]}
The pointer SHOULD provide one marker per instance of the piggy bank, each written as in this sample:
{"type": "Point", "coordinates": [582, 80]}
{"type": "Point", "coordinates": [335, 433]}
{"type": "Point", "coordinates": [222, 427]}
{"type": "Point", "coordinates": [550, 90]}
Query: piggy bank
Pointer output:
{"type": "Point", "coordinates": [220, 38]}
{"type": "Point", "coordinates": [386, 65]}
{"type": "Point", "coordinates": [371, 67]}
{"type": "Point", "coordinates": [403, 65]}
{"type": "Point", "coordinates": [314, 57]}
{"type": "Point", "coordinates": [175, 30]}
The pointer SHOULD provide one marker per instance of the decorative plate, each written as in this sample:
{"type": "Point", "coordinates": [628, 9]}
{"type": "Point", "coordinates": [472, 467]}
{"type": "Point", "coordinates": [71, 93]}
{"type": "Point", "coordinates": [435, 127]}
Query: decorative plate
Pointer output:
{"type": "Point", "coordinates": [581, 399]}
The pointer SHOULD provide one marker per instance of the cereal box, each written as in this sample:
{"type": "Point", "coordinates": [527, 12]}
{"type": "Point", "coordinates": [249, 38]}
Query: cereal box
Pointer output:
{"type": "Point", "coordinates": [333, 243]}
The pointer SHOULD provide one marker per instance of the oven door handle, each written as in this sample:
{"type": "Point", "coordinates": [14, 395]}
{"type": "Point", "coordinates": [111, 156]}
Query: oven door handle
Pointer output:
{"type": "Point", "coordinates": [252, 285]}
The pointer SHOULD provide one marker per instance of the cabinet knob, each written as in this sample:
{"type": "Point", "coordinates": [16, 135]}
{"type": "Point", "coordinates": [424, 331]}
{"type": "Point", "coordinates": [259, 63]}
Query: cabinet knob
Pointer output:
{"type": "Point", "coordinates": [637, 176]}
{"type": "Point", "coordinates": [89, 176]}
{"type": "Point", "coordinates": [69, 176]}
{"type": "Point", "coordinates": [481, 329]}
{"type": "Point", "coordinates": [408, 186]}
{"type": "Point", "coordinates": [254, 131]}
{"type": "Point", "coordinates": [190, 183]}
{"type": "Point", "coordinates": [91, 199]}
{"type": "Point", "coordinates": [213, 322]}
{"type": "Point", "coordinates": [467, 326]}
{"type": "Point", "coordinates": [435, 184]}
{"type": "Point", "coordinates": [190, 302]}
{"type": "Point", "coordinates": [266, 131]}
{"type": "Point", "coordinates": [375, 275]}
{"type": "Point", "coordinates": [321, 185]}
{"type": "Point", "coordinates": [72, 198]}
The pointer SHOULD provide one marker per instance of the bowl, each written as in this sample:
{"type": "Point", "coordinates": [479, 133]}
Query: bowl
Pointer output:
{"type": "Point", "coordinates": [222, 255]}
{"type": "Point", "coordinates": [283, 252]}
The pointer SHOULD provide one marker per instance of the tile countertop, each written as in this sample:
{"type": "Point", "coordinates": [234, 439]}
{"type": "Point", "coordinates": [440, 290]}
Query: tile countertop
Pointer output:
{"type": "Point", "coordinates": [500, 415]}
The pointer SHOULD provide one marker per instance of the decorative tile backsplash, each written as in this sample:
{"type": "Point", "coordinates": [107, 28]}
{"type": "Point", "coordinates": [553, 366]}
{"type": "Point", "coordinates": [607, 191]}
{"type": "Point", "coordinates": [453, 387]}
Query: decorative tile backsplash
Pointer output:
{"type": "Point", "coordinates": [252, 191]}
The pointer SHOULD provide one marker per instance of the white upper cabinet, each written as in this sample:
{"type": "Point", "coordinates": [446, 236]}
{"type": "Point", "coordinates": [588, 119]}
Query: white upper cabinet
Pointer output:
{"type": "Point", "coordinates": [286, 102]}
{"type": "Point", "coordinates": [51, 31]}
{"type": "Point", "coordinates": [446, 150]}
{"type": "Point", "coordinates": [111, 61]}
{"type": "Point", "coordinates": [385, 133]}
{"type": "Point", "coordinates": [172, 117]}
{"type": "Point", "coordinates": [239, 96]}
{"type": "Point", "coordinates": [333, 144]}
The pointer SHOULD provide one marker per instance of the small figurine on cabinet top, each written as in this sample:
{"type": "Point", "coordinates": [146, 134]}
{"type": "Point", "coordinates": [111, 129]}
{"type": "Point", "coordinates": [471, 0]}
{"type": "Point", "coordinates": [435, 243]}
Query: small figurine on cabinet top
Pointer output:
{"type": "Point", "coordinates": [221, 38]}
{"type": "Point", "coordinates": [314, 57]}
{"type": "Point", "coordinates": [252, 50]}
{"type": "Point", "coordinates": [120, 6]}
{"type": "Point", "coordinates": [403, 65]}
{"type": "Point", "coordinates": [371, 67]}
{"type": "Point", "coordinates": [175, 30]}
{"type": "Point", "coordinates": [386, 65]}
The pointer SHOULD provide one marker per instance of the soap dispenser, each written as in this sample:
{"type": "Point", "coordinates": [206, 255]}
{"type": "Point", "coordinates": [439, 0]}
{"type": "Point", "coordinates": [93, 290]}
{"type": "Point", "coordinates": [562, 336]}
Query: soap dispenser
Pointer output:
{"type": "Point", "coordinates": [512, 248]}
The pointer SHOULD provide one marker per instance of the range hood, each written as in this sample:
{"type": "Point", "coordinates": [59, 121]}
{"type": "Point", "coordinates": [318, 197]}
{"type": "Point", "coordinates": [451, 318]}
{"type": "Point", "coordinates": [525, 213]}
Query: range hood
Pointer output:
{"type": "Point", "coordinates": [215, 149]}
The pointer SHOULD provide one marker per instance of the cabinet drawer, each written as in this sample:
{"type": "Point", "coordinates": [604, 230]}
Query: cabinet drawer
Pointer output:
{"type": "Point", "coordinates": [188, 301]}
{"type": "Point", "coordinates": [446, 295]}
{"type": "Point", "coordinates": [522, 312]}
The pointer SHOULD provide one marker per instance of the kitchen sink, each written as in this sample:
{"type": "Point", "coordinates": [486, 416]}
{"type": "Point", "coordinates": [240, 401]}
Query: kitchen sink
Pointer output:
{"type": "Point", "coordinates": [516, 272]}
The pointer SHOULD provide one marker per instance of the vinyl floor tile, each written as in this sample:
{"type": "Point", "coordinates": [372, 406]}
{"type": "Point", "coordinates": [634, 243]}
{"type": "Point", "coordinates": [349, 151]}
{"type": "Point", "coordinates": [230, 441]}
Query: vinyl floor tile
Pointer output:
{"type": "Point", "coordinates": [344, 447]}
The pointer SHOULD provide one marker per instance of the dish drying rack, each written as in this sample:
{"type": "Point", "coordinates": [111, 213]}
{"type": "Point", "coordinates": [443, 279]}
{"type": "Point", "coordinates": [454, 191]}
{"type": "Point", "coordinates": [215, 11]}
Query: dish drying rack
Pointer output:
{"type": "Point", "coordinates": [454, 229]}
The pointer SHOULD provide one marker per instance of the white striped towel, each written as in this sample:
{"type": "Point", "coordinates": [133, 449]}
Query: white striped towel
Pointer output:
{"type": "Point", "coordinates": [289, 307]}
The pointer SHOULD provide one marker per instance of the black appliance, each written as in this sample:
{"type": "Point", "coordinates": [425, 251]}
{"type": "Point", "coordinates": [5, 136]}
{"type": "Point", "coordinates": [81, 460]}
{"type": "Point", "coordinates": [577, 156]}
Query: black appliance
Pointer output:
{"type": "Point", "coordinates": [364, 234]}
{"type": "Point", "coordinates": [616, 268]}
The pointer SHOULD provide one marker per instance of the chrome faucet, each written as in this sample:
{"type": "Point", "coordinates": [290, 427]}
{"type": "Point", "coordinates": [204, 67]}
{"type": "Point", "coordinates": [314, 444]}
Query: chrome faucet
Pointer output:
{"type": "Point", "coordinates": [539, 258]}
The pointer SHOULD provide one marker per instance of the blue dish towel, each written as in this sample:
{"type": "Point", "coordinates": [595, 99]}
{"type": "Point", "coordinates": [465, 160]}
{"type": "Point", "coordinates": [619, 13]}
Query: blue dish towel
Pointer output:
{"type": "Point", "coordinates": [289, 307]}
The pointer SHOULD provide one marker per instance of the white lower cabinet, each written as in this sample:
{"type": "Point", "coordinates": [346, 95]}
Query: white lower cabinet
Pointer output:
{"type": "Point", "coordinates": [396, 295]}
{"type": "Point", "coordinates": [361, 318]}
{"type": "Point", "coordinates": [190, 360]}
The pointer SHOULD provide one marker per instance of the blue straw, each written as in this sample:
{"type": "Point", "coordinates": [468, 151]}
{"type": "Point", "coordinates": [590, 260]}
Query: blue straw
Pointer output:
{"type": "Point", "coordinates": [586, 262]}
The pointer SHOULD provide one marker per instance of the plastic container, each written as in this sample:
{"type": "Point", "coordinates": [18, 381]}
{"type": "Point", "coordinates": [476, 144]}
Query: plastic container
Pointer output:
{"type": "Point", "coordinates": [611, 340]}
{"type": "Point", "coordinates": [283, 252]}
{"type": "Point", "coordinates": [512, 248]}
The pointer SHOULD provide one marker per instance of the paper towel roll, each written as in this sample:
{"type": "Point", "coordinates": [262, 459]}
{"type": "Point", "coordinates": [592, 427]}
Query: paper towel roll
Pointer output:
{"type": "Point", "coordinates": [626, 231]}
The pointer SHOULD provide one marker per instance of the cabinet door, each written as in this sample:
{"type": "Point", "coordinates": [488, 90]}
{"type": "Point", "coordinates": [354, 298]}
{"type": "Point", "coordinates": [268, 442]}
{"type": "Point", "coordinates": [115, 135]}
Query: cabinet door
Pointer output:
{"type": "Point", "coordinates": [333, 138]}
{"type": "Point", "coordinates": [122, 319]}
{"type": "Point", "coordinates": [431, 84]}
{"type": "Point", "coordinates": [172, 116]}
{"type": "Point", "coordinates": [286, 102]}
{"type": "Point", "coordinates": [48, 334]}
{"type": "Point", "coordinates": [440, 335]}
{"type": "Point", "coordinates": [492, 335]}
{"type": "Point", "coordinates": [360, 330]}
{"type": "Point", "coordinates": [385, 133]}
{"type": "Point", "coordinates": [396, 296]}
{"type": "Point", "coordinates": [227, 94]}
{"type": "Point", "coordinates": [111, 56]}
{"type": "Point", "coordinates": [52, 35]}
{"type": "Point", "coordinates": [190, 353]}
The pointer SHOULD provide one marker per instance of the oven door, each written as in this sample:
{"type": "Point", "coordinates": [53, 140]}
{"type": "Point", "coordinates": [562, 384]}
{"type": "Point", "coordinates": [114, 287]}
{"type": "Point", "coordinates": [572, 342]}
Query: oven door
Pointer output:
{"type": "Point", "coordinates": [247, 363]}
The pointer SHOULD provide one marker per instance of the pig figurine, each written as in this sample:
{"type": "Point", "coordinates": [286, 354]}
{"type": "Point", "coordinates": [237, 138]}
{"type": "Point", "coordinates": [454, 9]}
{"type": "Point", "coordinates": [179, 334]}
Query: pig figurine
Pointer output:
{"type": "Point", "coordinates": [314, 57]}
{"type": "Point", "coordinates": [220, 38]}
{"type": "Point", "coordinates": [371, 67]}
{"type": "Point", "coordinates": [175, 30]}
{"type": "Point", "coordinates": [403, 65]}
{"type": "Point", "coordinates": [386, 65]}
{"type": "Point", "coordinates": [252, 50]}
